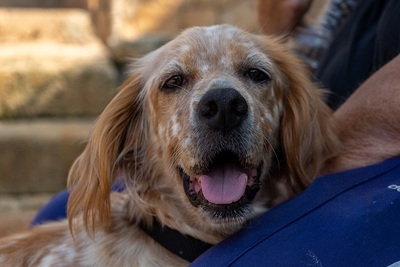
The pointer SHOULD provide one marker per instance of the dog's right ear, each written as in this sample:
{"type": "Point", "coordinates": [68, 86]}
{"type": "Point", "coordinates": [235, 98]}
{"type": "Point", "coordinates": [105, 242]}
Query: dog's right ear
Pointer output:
{"type": "Point", "coordinates": [119, 131]}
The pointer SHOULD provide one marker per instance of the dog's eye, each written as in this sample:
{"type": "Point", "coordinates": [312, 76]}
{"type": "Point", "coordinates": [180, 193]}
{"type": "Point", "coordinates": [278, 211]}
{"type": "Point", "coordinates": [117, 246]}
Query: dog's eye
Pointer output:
{"type": "Point", "coordinates": [258, 75]}
{"type": "Point", "coordinates": [173, 82]}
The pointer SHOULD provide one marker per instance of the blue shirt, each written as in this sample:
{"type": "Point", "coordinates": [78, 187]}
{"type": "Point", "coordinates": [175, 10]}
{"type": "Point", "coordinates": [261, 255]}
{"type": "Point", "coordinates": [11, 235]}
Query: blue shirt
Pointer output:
{"type": "Point", "coordinates": [350, 218]}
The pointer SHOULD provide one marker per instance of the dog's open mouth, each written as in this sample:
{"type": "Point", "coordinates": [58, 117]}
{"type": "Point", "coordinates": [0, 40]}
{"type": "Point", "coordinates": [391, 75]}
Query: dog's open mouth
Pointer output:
{"type": "Point", "coordinates": [225, 186]}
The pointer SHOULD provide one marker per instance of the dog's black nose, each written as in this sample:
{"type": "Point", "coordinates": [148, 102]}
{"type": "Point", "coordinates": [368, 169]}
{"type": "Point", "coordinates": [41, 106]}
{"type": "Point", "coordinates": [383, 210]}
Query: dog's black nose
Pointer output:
{"type": "Point", "coordinates": [222, 109]}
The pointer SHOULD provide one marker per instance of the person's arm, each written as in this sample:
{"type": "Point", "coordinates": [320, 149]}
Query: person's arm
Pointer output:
{"type": "Point", "coordinates": [369, 121]}
{"type": "Point", "coordinates": [280, 16]}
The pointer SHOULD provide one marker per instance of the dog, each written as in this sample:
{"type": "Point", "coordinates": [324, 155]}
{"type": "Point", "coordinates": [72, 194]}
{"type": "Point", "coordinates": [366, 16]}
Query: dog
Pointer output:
{"type": "Point", "coordinates": [208, 132]}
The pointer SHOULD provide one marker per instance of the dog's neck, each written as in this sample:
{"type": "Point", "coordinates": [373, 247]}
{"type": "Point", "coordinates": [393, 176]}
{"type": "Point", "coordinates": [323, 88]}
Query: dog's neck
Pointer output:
{"type": "Point", "coordinates": [184, 246]}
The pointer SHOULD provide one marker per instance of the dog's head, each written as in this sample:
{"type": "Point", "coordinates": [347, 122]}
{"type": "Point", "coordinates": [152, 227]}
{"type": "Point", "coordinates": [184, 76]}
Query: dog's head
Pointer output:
{"type": "Point", "coordinates": [211, 119]}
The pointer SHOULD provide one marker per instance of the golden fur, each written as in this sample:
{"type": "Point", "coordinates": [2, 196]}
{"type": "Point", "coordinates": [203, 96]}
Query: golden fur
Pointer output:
{"type": "Point", "coordinates": [152, 137]}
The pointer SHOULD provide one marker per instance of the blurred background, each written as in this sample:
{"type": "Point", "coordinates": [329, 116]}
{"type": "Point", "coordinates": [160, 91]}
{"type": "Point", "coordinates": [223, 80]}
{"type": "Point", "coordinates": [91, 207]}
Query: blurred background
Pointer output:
{"type": "Point", "coordinates": [61, 62]}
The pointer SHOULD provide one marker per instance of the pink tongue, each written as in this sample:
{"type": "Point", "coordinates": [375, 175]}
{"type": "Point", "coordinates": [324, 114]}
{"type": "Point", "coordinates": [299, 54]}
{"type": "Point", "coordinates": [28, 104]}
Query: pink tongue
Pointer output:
{"type": "Point", "coordinates": [224, 184]}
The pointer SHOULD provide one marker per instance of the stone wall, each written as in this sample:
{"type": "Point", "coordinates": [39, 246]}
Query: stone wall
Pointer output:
{"type": "Point", "coordinates": [134, 19]}
{"type": "Point", "coordinates": [131, 19]}
{"type": "Point", "coordinates": [52, 64]}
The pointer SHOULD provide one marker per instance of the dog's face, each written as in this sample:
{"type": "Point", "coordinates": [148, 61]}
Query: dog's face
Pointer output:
{"type": "Point", "coordinates": [216, 105]}
{"type": "Point", "coordinates": [214, 116]}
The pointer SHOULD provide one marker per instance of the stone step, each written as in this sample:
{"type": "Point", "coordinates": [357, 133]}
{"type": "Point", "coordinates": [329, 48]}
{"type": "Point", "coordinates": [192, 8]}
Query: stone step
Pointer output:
{"type": "Point", "coordinates": [52, 64]}
{"type": "Point", "coordinates": [36, 155]}
{"type": "Point", "coordinates": [43, 3]}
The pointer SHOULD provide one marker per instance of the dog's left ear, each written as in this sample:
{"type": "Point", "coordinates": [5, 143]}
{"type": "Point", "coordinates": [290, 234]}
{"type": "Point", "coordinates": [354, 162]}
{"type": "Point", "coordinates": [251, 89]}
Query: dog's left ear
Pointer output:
{"type": "Point", "coordinates": [307, 134]}
{"type": "Point", "coordinates": [118, 132]}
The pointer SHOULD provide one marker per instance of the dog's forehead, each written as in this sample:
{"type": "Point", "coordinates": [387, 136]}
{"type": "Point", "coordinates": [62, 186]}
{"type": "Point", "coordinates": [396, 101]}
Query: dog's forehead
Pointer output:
{"type": "Point", "coordinates": [215, 40]}
{"type": "Point", "coordinates": [208, 50]}
{"type": "Point", "coordinates": [221, 46]}
{"type": "Point", "coordinates": [215, 34]}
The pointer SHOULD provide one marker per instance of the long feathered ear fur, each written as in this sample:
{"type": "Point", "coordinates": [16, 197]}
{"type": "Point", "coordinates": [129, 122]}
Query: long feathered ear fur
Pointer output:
{"type": "Point", "coordinates": [119, 131]}
{"type": "Point", "coordinates": [307, 134]}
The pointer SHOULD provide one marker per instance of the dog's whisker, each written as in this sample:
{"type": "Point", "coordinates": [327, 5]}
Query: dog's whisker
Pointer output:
{"type": "Point", "coordinates": [273, 151]}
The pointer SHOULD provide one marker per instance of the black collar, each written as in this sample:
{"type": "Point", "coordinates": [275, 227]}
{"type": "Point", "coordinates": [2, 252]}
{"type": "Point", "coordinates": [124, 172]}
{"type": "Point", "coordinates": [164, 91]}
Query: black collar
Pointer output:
{"type": "Point", "coordinates": [184, 246]}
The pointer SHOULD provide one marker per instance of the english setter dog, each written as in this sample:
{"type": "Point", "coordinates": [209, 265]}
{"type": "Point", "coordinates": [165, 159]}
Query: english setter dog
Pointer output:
{"type": "Point", "coordinates": [208, 132]}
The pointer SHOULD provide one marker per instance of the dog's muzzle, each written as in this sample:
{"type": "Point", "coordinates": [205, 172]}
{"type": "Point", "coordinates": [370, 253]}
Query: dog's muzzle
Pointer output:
{"type": "Point", "coordinates": [222, 182]}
